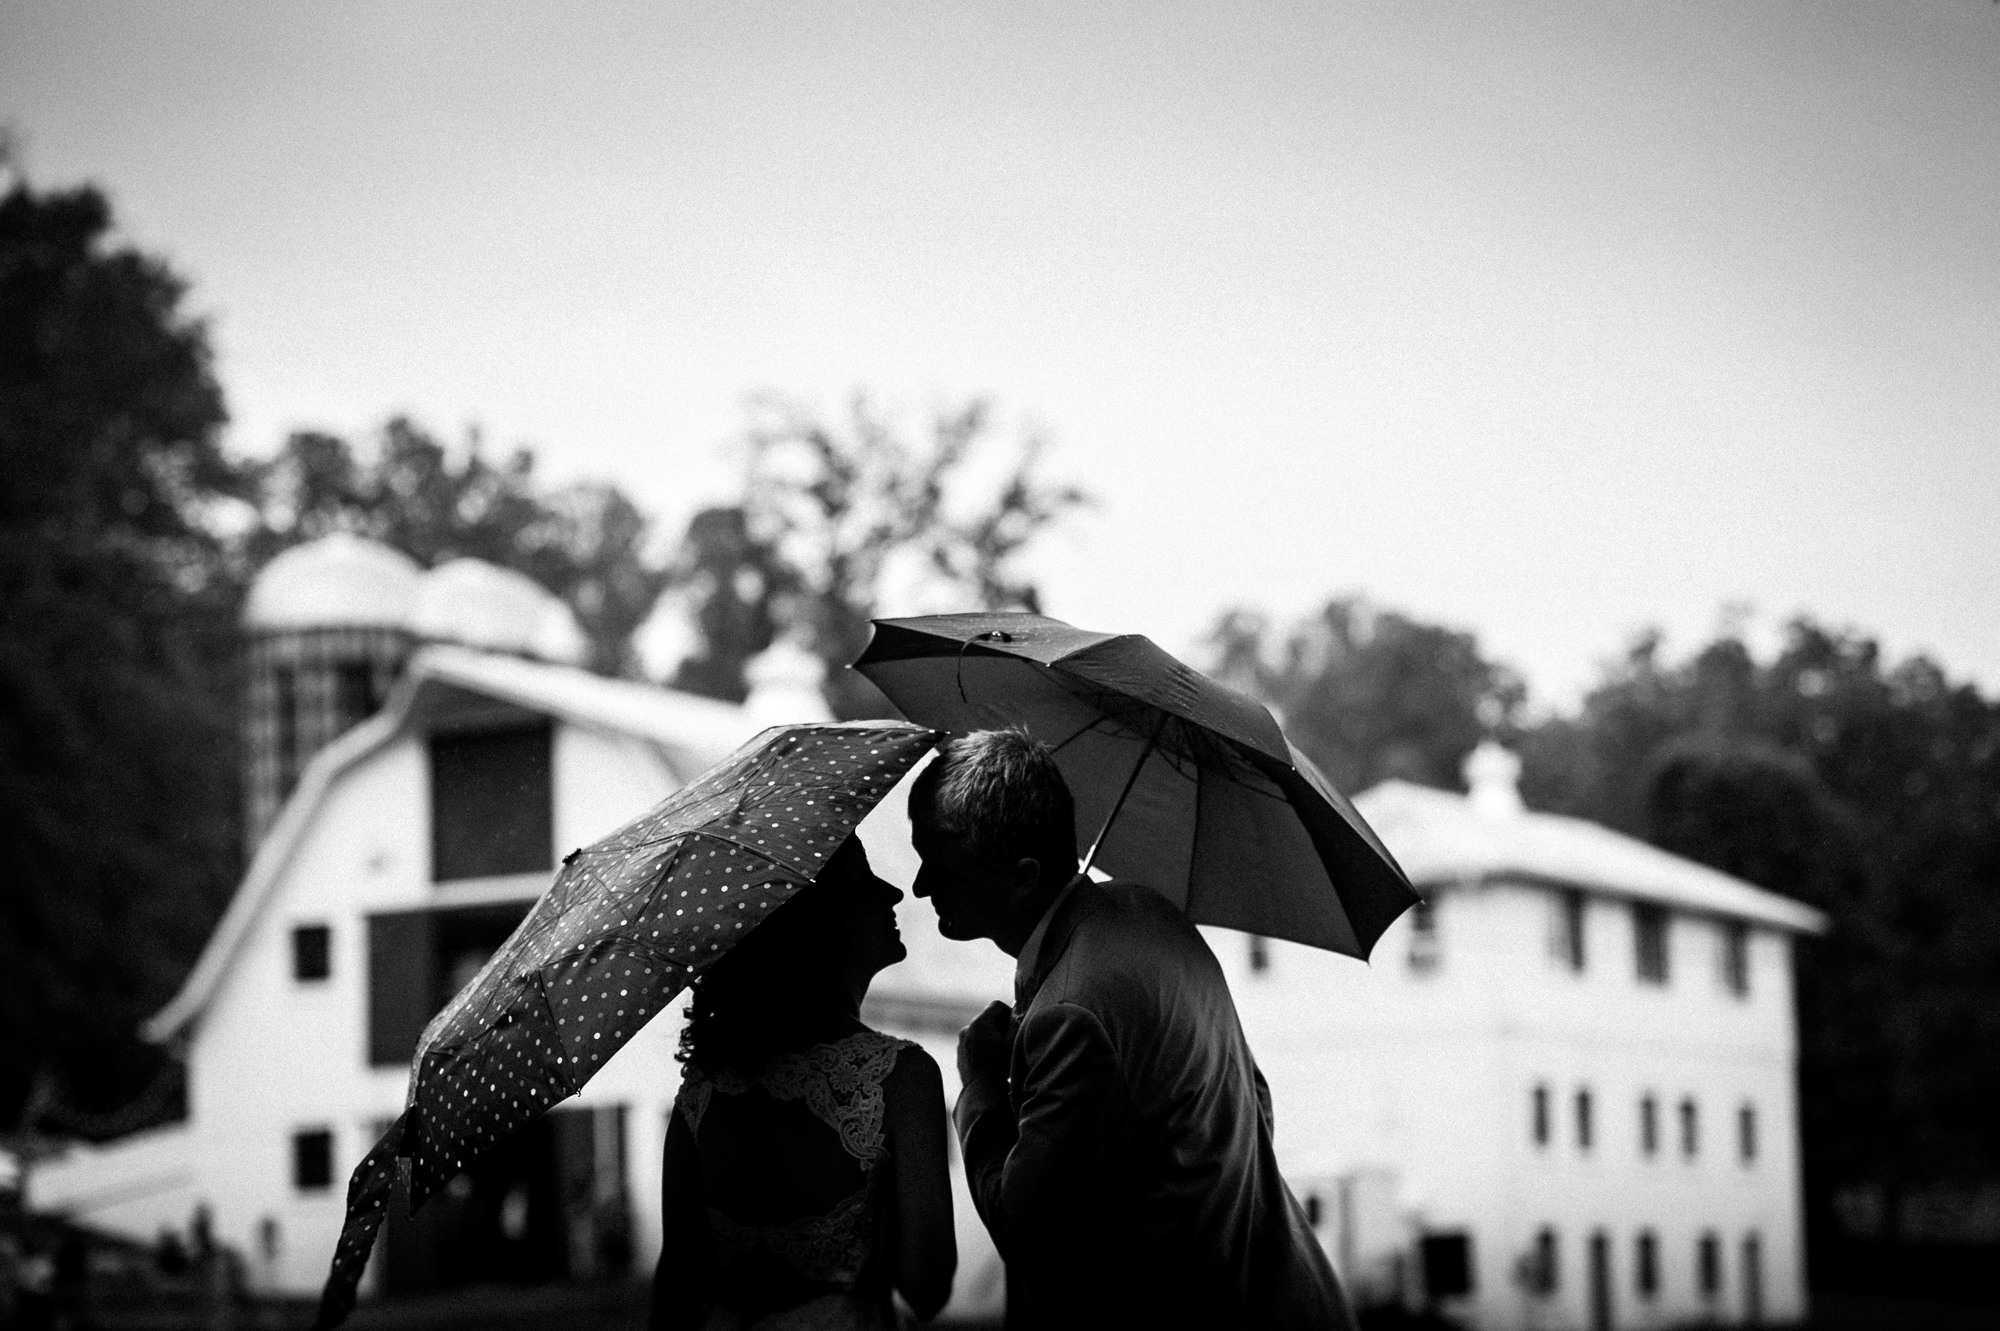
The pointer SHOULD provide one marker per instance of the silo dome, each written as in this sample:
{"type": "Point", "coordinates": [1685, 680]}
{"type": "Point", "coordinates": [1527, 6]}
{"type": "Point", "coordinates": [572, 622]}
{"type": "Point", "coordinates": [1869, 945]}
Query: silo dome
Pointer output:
{"type": "Point", "coordinates": [482, 605]}
{"type": "Point", "coordinates": [338, 581]}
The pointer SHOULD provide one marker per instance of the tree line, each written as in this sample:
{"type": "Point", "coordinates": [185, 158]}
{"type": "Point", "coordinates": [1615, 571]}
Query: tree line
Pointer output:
{"type": "Point", "coordinates": [1866, 787]}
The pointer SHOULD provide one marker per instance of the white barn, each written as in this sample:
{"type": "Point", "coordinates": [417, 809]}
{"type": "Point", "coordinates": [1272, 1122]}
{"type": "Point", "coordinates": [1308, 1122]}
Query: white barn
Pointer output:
{"type": "Point", "coordinates": [1561, 1096]}
{"type": "Point", "coordinates": [420, 753]}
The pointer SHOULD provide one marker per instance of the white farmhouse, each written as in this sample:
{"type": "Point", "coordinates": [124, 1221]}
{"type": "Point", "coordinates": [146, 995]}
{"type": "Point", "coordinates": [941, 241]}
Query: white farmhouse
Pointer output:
{"type": "Point", "coordinates": [1563, 1093]}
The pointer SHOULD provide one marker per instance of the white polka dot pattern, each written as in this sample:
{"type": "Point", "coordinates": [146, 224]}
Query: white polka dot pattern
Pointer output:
{"type": "Point", "coordinates": [627, 922]}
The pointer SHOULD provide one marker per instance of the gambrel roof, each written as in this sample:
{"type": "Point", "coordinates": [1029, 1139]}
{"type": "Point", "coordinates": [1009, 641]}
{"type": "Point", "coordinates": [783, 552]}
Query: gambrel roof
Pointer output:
{"type": "Point", "coordinates": [689, 733]}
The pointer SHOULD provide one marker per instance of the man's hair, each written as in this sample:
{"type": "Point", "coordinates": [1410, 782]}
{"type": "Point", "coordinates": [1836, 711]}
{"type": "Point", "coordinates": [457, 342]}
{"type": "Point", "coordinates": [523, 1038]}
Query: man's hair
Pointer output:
{"type": "Point", "coordinates": [1000, 792]}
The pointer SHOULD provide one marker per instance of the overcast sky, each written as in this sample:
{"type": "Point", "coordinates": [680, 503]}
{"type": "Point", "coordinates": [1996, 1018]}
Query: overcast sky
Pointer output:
{"type": "Point", "coordinates": [1548, 322]}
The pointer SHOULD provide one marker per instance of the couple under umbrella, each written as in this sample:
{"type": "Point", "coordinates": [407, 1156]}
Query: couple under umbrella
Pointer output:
{"type": "Point", "coordinates": [1115, 1130]}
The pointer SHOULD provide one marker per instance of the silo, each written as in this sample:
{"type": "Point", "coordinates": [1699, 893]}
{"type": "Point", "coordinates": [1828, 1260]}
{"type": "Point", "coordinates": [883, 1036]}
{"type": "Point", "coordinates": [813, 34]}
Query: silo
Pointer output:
{"type": "Point", "coordinates": [329, 629]}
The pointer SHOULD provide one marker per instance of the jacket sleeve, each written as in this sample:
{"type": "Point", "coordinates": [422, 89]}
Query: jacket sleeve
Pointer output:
{"type": "Point", "coordinates": [1033, 1179]}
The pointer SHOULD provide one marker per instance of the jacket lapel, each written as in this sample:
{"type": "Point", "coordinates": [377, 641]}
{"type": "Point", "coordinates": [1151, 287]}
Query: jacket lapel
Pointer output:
{"type": "Point", "coordinates": [1085, 900]}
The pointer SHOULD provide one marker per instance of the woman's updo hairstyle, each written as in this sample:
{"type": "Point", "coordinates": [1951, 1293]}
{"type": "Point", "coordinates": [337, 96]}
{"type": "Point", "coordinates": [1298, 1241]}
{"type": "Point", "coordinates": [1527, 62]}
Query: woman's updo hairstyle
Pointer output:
{"type": "Point", "coordinates": [774, 984]}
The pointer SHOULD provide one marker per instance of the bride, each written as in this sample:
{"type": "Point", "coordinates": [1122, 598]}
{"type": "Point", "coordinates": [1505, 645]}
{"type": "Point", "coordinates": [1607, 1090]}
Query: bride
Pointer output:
{"type": "Point", "coordinates": [805, 1174]}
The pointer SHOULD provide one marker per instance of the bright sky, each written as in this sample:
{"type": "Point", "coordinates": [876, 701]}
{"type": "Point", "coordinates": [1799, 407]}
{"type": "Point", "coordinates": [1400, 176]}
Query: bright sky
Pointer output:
{"type": "Point", "coordinates": [1549, 322]}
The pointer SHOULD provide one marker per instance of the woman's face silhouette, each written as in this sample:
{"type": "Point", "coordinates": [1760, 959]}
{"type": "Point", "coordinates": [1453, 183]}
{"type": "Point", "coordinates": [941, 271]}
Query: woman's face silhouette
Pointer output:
{"type": "Point", "coordinates": [865, 924]}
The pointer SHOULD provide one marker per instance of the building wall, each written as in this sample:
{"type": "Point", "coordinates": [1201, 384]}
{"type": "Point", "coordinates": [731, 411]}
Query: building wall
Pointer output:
{"type": "Point", "coordinates": [1424, 1078]}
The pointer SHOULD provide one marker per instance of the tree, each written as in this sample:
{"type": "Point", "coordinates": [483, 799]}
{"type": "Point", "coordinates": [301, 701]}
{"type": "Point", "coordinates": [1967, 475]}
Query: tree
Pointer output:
{"type": "Point", "coordinates": [1371, 694]}
{"type": "Point", "coordinates": [587, 542]}
{"type": "Point", "coordinates": [832, 514]}
{"type": "Point", "coordinates": [117, 651]}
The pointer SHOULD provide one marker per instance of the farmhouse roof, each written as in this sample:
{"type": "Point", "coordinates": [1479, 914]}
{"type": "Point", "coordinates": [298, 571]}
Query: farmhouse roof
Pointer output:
{"type": "Point", "coordinates": [1442, 838]}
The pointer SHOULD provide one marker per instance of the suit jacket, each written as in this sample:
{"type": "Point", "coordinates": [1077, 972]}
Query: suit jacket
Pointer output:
{"type": "Point", "coordinates": [1127, 1172]}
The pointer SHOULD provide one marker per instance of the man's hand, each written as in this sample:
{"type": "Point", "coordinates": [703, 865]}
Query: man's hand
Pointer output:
{"type": "Point", "coordinates": [985, 1049]}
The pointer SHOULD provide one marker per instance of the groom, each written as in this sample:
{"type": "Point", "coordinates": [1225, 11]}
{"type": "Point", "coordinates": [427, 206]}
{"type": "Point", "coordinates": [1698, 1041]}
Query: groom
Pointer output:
{"type": "Point", "coordinates": [1116, 1131]}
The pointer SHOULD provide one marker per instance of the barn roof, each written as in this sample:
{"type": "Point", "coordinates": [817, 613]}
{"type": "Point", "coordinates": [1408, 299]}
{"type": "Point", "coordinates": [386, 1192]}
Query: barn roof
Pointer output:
{"type": "Point", "coordinates": [689, 732]}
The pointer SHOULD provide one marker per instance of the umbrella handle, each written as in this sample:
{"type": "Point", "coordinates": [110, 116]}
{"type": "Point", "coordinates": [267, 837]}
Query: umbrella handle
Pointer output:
{"type": "Point", "coordinates": [1119, 803]}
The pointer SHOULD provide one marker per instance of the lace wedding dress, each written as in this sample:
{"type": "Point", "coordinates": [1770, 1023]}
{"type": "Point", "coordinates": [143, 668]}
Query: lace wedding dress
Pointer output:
{"type": "Point", "coordinates": [840, 1260]}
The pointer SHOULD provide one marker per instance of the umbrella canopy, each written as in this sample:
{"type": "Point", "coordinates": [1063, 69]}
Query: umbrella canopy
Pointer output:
{"type": "Point", "coordinates": [624, 927]}
{"type": "Point", "coordinates": [1180, 783]}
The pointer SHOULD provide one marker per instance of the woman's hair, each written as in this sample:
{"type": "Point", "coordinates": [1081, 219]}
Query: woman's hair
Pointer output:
{"type": "Point", "coordinates": [776, 982]}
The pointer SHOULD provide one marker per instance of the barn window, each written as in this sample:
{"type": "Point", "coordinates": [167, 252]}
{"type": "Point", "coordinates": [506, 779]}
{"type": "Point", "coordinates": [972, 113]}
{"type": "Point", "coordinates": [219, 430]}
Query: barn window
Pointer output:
{"type": "Point", "coordinates": [417, 960]}
{"type": "Point", "coordinates": [1746, 1133]}
{"type": "Point", "coordinates": [1447, 1260]}
{"type": "Point", "coordinates": [1539, 1113]}
{"type": "Point", "coordinates": [1584, 1106]}
{"type": "Point", "coordinates": [1649, 930]}
{"type": "Point", "coordinates": [1690, 1129]}
{"type": "Point", "coordinates": [1260, 953]}
{"type": "Point", "coordinates": [312, 1160]}
{"type": "Point", "coordinates": [1649, 1125]}
{"type": "Point", "coordinates": [491, 803]}
{"type": "Point", "coordinates": [312, 952]}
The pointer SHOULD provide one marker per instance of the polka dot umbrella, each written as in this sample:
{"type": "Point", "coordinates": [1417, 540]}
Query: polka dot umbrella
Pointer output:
{"type": "Point", "coordinates": [624, 927]}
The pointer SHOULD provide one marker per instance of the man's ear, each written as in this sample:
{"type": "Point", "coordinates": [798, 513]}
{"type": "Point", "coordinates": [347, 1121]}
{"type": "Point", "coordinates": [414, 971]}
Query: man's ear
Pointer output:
{"type": "Point", "coordinates": [1027, 875]}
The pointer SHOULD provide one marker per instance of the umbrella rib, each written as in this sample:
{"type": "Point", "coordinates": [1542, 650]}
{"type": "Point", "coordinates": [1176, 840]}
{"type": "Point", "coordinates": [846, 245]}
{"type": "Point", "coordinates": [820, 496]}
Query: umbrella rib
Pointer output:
{"type": "Point", "coordinates": [764, 855]}
{"type": "Point", "coordinates": [1119, 803]}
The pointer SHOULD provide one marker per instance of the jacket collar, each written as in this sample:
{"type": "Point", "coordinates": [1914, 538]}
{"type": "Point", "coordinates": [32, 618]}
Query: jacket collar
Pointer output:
{"type": "Point", "coordinates": [1050, 939]}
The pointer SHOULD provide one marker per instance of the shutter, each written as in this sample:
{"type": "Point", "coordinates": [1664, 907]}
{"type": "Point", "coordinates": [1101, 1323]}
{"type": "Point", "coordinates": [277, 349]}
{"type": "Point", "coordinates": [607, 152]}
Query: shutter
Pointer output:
{"type": "Point", "coordinates": [401, 998]}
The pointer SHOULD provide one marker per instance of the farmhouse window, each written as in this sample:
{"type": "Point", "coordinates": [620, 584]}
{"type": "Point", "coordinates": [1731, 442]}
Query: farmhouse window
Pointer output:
{"type": "Point", "coordinates": [1566, 929]}
{"type": "Point", "coordinates": [1708, 1265]}
{"type": "Point", "coordinates": [1545, 1265]}
{"type": "Point", "coordinates": [491, 803]}
{"type": "Point", "coordinates": [1649, 931]}
{"type": "Point", "coordinates": [1646, 1267]}
{"type": "Point", "coordinates": [1736, 958]}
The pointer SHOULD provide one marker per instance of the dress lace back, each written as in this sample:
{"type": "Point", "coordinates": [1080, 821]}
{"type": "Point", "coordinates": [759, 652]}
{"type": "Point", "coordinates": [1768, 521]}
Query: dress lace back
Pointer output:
{"type": "Point", "coordinates": [841, 1084]}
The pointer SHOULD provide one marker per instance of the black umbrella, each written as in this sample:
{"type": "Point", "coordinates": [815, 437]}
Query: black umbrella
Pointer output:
{"type": "Point", "coordinates": [624, 927]}
{"type": "Point", "coordinates": [1180, 783]}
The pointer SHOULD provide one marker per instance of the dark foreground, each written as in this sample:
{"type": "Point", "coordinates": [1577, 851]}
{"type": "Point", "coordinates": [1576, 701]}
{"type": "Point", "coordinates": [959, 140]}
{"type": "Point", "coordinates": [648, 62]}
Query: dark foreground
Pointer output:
{"type": "Point", "coordinates": [621, 1306]}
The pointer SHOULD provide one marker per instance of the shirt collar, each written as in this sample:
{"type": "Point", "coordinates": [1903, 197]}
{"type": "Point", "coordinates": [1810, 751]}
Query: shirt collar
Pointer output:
{"type": "Point", "coordinates": [1031, 951]}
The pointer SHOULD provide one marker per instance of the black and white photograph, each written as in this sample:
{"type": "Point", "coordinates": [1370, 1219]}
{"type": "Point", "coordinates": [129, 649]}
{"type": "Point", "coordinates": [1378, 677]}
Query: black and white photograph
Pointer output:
{"type": "Point", "coordinates": [999, 666]}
